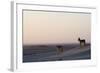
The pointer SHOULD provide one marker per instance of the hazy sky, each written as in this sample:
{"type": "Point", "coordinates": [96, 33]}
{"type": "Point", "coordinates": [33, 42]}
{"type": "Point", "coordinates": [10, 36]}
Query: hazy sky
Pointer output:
{"type": "Point", "coordinates": [41, 27]}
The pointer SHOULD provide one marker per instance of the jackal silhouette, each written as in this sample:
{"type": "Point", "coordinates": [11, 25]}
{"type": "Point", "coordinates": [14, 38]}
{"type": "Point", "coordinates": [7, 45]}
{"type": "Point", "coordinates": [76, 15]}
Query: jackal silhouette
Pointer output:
{"type": "Point", "coordinates": [82, 42]}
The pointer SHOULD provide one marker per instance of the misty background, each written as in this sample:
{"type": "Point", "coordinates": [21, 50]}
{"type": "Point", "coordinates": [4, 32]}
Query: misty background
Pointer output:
{"type": "Point", "coordinates": [44, 27]}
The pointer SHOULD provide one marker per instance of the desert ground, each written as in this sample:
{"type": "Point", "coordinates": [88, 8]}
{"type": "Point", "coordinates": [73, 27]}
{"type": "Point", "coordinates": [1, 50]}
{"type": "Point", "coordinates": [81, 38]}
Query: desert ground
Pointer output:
{"type": "Point", "coordinates": [42, 53]}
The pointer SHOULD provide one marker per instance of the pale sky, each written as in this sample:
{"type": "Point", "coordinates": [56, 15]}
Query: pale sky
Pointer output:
{"type": "Point", "coordinates": [41, 27]}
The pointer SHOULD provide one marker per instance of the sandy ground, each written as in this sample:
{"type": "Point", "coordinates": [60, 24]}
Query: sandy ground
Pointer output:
{"type": "Point", "coordinates": [76, 53]}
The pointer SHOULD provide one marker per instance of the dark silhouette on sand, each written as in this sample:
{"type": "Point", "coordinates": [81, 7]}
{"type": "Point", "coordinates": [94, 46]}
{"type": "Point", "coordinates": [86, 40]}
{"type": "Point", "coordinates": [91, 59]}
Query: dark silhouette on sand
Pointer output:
{"type": "Point", "coordinates": [82, 42]}
{"type": "Point", "coordinates": [59, 49]}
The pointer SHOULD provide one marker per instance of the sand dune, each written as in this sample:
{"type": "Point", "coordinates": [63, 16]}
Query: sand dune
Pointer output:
{"type": "Point", "coordinates": [72, 54]}
{"type": "Point", "coordinates": [73, 51]}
